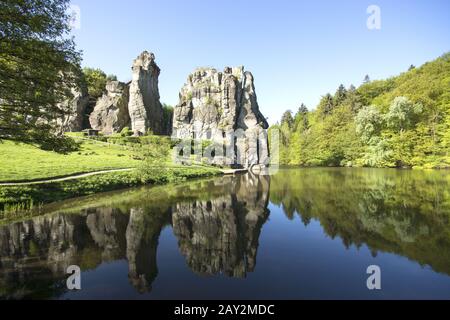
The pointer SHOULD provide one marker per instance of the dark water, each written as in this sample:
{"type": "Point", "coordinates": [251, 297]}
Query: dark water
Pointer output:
{"type": "Point", "coordinates": [303, 233]}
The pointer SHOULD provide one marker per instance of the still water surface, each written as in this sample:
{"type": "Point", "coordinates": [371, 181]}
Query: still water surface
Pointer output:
{"type": "Point", "coordinates": [301, 234]}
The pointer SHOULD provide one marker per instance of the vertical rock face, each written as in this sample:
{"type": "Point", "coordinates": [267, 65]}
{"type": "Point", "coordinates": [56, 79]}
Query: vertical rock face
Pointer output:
{"type": "Point", "coordinates": [214, 105]}
{"type": "Point", "coordinates": [76, 109]}
{"type": "Point", "coordinates": [144, 106]}
{"type": "Point", "coordinates": [110, 114]}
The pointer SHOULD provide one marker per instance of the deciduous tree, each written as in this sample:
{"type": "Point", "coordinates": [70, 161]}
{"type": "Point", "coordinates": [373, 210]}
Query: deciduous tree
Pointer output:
{"type": "Point", "coordinates": [38, 67]}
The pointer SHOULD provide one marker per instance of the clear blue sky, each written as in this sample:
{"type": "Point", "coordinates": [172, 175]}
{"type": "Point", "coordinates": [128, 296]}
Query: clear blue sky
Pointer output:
{"type": "Point", "coordinates": [298, 50]}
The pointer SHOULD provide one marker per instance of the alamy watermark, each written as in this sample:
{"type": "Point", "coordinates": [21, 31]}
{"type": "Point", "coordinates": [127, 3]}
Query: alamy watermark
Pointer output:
{"type": "Point", "coordinates": [257, 151]}
{"type": "Point", "coordinates": [374, 280]}
{"type": "Point", "coordinates": [74, 13]}
{"type": "Point", "coordinates": [374, 19]}
{"type": "Point", "coordinates": [74, 280]}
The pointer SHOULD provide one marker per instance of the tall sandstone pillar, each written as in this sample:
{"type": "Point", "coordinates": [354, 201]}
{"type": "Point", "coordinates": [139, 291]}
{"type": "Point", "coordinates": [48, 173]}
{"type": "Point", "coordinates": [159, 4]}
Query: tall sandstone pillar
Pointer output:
{"type": "Point", "coordinates": [222, 107]}
{"type": "Point", "coordinates": [145, 109]}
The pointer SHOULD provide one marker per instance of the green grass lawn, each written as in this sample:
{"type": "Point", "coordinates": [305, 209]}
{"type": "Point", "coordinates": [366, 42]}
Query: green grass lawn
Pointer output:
{"type": "Point", "coordinates": [16, 202]}
{"type": "Point", "coordinates": [22, 162]}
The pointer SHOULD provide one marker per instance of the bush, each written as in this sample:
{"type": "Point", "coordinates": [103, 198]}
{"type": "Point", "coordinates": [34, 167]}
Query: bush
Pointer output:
{"type": "Point", "coordinates": [126, 132]}
{"type": "Point", "coordinates": [59, 144]}
{"type": "Point", "coordinates": [95, 81]}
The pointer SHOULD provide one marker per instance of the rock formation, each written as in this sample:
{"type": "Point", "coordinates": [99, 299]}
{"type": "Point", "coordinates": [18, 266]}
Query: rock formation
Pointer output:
{"type": "Point", "coordinates": [218, 106]}
{"type": "Point", "coordinates": [222, 106]}
{"type": "Point", "coordinates": [135, 105]}
{"type": "Point", "coordinates": [76, 109]}
{"type": "Point", "coordinates": [110, 114]}
{"type": "Point", "coordinates": [145, 109]}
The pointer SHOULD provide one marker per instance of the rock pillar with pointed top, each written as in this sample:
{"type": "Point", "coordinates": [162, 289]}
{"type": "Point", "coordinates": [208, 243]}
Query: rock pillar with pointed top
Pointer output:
{"type": "Point", "coordinates": [146, 113]}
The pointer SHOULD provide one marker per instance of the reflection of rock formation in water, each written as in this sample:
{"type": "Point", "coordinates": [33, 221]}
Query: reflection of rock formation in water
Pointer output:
{"type": "Point", "coordinates": [218, 234]}
{"type": "Point", "coordinates": [142, 243]}
{"type": "Point", "coordinates": [107, 227]}
{"type": "Point", "coordinates": [56, 239]}
{"type": "Point", "coordinates": [221, 235]}
{"type": "Point", "coordinates": [46, 246]}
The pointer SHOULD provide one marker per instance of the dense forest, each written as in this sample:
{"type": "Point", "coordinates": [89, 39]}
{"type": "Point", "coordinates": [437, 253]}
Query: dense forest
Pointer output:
{"type": "Point", "coordinates": [402, 121]}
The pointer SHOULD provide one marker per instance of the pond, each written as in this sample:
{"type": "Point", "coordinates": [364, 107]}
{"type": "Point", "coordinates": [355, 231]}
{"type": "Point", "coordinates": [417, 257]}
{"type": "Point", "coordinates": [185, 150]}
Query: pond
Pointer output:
{"type": "Point", "coordinates": [299, 234]}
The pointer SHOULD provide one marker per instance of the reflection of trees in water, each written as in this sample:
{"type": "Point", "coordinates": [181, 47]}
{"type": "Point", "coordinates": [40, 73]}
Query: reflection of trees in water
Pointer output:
{"type": "Point", "coordinates": [35, 254]}
{"type": "Point", "coordinates": [221, 235]}
{"type": "Point", "coordinates": [218, 222]}
{"type": "Point", "coordinates": [403, 212]}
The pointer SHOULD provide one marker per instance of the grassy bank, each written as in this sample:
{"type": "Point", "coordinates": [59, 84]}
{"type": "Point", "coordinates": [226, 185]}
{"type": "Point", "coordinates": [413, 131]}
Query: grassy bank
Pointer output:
{"type": "Point", "coordinates": [17, 199]}
{"type": "Point", "coordinates": [23, 162]}
{"type": "Point", "coordinates": [149, 158]}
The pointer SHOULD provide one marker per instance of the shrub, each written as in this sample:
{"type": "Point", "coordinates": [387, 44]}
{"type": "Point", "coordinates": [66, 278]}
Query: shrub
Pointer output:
{"type": "Point", "coordinates": [126, 132]}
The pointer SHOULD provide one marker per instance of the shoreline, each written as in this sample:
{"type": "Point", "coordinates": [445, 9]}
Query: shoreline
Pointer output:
{"type": "Point", "coordinates": [19, 199]}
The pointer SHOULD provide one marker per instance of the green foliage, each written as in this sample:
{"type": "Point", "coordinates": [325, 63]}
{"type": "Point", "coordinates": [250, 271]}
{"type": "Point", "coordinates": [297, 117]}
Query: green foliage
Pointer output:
{"type": "Point", "coordinates": [326, 105]}
{"type": "Point", "coordinates": [126, 132]}
{"type": "Point", "coordinates": [369, 122]}
{"type": "Point", "coordinates": [446, 135]}
{"type": "Point", "coordinates": [341, 95]}
{"type": "Point", "coordinates": [399, 122]}
{"type": "Point", "coordinates": [16, 201]}
{"type": "Point", "coordinates": [111, 77]}
{"type": "Point", "coordinates": [287, 119]}
{"type": "Point", "coordinates": [167, 118]}
{"type": "Point", "coordinates": [20, 198]}
{"type": "Point", "coordinates": [149, 156]}
{"type": "Point", "coordinates": [377, 153]}
{"type": "Point", "coordinates": [39, 66]}
{"type": "Point", "coordinates": [302, 110]}
{"type": "Point", "coordinates": [402, 114]}
{"type": "Point", "coordinates": [154, 161]}
{"type": "Point", "coordinates": [96, 81]}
